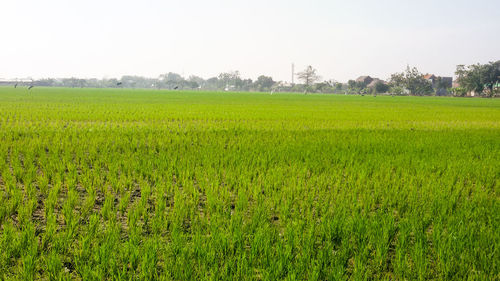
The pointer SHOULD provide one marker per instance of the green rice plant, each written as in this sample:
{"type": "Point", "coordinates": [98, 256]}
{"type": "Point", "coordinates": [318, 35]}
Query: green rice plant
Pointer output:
{"type": "Point", "coordinates": [114, 184]}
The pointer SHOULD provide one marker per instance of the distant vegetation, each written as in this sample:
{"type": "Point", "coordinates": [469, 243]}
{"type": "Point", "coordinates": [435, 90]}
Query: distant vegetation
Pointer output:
{"type": "Point", "coordinates": [475, 80]}
{"type": "Point", "coordinates": [107, 184]}
{"type": "Point", "coordinates": [483, 80]}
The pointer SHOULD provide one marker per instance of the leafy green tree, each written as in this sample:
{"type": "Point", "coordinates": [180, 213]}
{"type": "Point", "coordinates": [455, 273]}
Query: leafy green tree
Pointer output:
{"type": "Point", "coordinates": [413, 81]}
{"type": "Point", "coordinates": [459, 92]}
{"type": "Point", "coordinates": [352, 86]}
{"type": "Point", "coordinates": [171, 80]}
{"type": "Point", "coordinates": [381, 87]}
{"type": "Point", "coordinates": [356, 87]}
{"type": "Point", "coordinates": [131, 81]}
{"type": "Point", "coordinates": [398, 91]}
{"type": "Point", "coordinates": [212, 83]}
{"type": "Point", "coordinates": [361, 85]}
{"type": "Point", "coordinates": [230, 79]}
{"type": "Point", "coordinates": [264, 83]}
{"type": "Point", "coordinates": [479, 78]}
{"type": "Point", "coordinates": [247, 84]}
{"type": "Point", "coordinates": [323, 87]}
{"type": "Point", "coordinates": [338, 87]}
{"type": "Point", "coordinates": [193, 79]}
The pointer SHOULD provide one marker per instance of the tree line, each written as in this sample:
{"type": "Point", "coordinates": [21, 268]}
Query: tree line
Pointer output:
{"type": "Point", "coordinates": [479, 79]}
{"type": "Point", "coordinates": [475, 80]}
{"type": "Point", "coordinates": [225, 81]}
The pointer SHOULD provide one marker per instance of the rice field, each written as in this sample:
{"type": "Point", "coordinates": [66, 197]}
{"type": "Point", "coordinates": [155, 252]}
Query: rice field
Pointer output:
{"type": "Point", "coordinates": [101, 184]}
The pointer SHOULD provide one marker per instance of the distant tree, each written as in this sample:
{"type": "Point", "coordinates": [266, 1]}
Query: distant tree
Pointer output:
{"type": "Point", "coordinates": [45, 82]}
{"type": "Point", "coordinates": [491, 76]}
{"type": "Point", "coordinates": [195, 81]}
{"type": "Point", "coordinates": [132, 81]}
{"type": "Point", "coordinates": [356, 87]}
{"type": "Point", "coordinates": [413, 81]}
{"type": "Point", "coordinates": [264, 83]}
{"type": "Point", "coordinates": [192, 84]}
{"type": "Point", "coordinates": [459, 92]}
{"type": "Point", "coordinates": [331, 82]}
{"type": "Point", "coordinates": [329, 87]}
{"type": "Point", "coordinates": [212, 83]}
{"type": "Point", "coordinates": [361, 85]}
{"type": "Point", "coordinates": [247, 84]}
{"type": "Point", "coordinates": [398, 90]}
{"type": "Point", "coordinates": [171, 76]}
{"type": "Point", "coordinates": [94, 83]}
{"type": "Point", "coordinates": [238, 83]}
{"type": "Point", "coordinates": [381, 87]}
{"type": "Point", "coordinates": [308, 76]}
{"type": "Point", "coordinates": [338, 87]}
{"type": "Point", "coordinates": [74, 82]}
{"type": "Point", "coordinates": [171, 80]}
{"type": "Point", "coordinates": [352, 87]}
{"type": "Point", "coordinates": [81, 83]}
{"type": "Point", "coordinates": [321, 87]}
{"type": "Point", "coordinates": [479, 78]}
{"type": "Point", "coordinates": [110, 83]}
{"type": "Point", "coordinates": [230, 79]}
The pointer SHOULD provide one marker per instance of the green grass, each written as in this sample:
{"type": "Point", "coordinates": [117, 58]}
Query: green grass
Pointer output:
{"type": "Point", "coordinates": [143, 185]}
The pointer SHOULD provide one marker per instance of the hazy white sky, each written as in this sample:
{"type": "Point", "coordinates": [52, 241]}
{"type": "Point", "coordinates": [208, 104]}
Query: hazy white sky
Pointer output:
{"type": "Point", "coordinates": [342, 39]}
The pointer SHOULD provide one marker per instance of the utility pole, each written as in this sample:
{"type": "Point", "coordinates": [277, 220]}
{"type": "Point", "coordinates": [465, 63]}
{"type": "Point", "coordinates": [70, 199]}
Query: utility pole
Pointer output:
{"type": "Point", "coordinates": [293, 72]}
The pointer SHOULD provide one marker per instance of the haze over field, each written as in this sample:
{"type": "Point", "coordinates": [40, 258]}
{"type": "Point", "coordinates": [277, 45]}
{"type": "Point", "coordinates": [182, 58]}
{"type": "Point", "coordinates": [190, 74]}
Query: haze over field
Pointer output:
{"type": "Point", "coordinates": [342, 39]}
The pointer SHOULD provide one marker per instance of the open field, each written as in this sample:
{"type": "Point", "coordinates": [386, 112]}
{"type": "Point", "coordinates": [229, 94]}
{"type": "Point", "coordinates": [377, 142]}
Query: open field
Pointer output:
{"type": "Point", "coordinates": [100, 184]}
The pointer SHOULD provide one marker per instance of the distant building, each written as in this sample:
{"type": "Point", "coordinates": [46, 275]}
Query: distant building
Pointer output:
{"type": "Point", "coordinates": [364, 79]}
{"type": "Point", "coordinates": [472, 94]}
{"type": "Point", "coordinates": [439, 84]}
{"type": "Point", "coordinates": [374, 82]}
{"type": "Point", "coordinates": [284, 84]}
{"type": "Point", "coordinates": [445, 81]}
